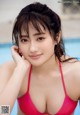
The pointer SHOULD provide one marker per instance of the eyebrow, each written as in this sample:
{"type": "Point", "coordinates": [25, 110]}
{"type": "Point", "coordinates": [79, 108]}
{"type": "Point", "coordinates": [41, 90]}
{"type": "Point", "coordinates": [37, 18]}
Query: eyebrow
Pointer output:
{"type": "Point", "coordinates": [40, 33]}
{"type": "Point", "coordinates": [36, 34]}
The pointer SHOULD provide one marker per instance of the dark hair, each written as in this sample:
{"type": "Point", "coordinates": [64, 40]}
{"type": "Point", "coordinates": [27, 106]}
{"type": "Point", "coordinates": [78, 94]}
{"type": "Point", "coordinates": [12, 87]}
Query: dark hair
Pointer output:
{"type": "Point", "coordinates": [39, 14]}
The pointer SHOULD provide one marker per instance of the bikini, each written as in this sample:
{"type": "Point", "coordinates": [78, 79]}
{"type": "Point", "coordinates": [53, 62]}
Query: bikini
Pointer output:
{"type": "Point", "coordinates": [28, 107]}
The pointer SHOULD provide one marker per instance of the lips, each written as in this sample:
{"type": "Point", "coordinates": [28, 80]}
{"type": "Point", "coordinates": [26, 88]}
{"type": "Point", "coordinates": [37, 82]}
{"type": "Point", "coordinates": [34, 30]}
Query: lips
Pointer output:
{"type": "Point", "coordinates": [35, 56]}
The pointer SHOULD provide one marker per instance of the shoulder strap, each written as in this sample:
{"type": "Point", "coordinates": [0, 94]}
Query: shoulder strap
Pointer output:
{"type": "Point", "coordinates": [62, 77]}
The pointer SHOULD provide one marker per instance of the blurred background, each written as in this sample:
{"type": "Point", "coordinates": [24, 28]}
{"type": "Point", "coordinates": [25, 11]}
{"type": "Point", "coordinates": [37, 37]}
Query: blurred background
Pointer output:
{"type": "Point", "coordinates": [69, 12]}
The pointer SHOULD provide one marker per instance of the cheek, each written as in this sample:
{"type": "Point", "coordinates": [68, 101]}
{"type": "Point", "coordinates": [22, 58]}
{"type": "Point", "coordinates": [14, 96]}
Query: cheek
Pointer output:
{"type": "Point", "coordinates": [50, 49]}
{"type": "Point", "coordinates": [23, 49]}
{"type": "Point", "coordinates": [49, 46]}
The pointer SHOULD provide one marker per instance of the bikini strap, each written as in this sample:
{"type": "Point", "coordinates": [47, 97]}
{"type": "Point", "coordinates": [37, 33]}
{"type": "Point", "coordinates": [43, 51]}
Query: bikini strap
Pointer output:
{"type": "Point", "coordinates": [62, 77]}
{"type": "Point", "coordinates": [29, 78]}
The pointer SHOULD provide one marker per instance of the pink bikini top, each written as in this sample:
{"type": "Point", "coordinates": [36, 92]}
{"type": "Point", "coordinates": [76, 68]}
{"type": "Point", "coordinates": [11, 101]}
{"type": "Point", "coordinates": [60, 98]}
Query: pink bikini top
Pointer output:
{"type": "Point", "coordinates": [28, 107]}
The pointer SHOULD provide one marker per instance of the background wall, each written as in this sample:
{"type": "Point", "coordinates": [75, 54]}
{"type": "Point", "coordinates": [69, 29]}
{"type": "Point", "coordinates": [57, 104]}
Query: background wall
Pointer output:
{"type": "Point", "coordinates": [9, 9]}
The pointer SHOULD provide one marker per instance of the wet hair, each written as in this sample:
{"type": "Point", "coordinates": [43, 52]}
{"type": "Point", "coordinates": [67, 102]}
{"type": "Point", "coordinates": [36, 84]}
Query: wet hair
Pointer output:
{"type": "Point", "coordinates": [39, 14]}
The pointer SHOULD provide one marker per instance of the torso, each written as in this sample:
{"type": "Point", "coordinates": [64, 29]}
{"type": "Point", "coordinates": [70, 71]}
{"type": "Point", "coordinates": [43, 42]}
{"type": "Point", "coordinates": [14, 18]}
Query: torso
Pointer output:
{"type": "Point", "coordinates": [49, 89]}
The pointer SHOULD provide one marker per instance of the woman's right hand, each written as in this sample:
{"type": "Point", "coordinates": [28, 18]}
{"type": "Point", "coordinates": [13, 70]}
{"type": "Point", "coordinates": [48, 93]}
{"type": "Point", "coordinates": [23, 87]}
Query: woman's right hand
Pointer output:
{"type": "Point", "coordinates": [19, 60]}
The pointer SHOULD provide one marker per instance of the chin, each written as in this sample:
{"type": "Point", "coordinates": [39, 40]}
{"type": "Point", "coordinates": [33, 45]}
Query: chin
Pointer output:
{"type": "Point", "coordinates": [37, 64]}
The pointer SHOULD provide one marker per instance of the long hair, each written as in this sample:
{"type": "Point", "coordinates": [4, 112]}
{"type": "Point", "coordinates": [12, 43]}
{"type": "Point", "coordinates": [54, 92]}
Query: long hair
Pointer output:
{"type": "Point", "coordinates": [39, 14]}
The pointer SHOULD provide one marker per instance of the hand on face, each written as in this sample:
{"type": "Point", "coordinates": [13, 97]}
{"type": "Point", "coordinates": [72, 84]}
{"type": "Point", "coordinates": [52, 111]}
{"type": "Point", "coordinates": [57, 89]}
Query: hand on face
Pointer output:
{"type": "Point", "coordinates": [18, 57]}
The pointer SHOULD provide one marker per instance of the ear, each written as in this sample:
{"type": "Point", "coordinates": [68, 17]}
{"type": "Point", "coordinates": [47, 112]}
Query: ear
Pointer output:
{"type": "Point", "coordinates": [58, 37]}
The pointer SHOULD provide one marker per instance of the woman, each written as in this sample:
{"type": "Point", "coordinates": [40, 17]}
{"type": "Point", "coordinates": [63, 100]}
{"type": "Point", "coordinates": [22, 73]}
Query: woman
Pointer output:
{"type": "Point", "coordinates": [43, 79]}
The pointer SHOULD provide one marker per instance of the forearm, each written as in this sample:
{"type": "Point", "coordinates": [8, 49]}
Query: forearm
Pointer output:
{"type": "Point", "coordinates": [10, 92]}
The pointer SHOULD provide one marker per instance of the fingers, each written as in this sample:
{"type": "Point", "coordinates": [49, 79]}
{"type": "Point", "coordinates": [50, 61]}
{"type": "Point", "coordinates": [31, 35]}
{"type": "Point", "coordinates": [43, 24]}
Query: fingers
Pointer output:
{"type": "Point", "coordinates": [19, 59]}
{"type": "Point", "coordinates": [15, 48]}
{"type": "Point", "coordinates": [15, 52]}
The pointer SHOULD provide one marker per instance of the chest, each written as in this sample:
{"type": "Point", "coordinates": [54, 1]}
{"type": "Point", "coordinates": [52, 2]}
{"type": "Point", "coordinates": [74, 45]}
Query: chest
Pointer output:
{"type": "Point", "coordinates": [46, 94]}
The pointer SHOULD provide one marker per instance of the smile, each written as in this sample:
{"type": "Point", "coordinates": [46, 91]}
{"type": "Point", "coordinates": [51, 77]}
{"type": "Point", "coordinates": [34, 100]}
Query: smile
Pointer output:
{"type": "Point", "coordinates": [35, 56]}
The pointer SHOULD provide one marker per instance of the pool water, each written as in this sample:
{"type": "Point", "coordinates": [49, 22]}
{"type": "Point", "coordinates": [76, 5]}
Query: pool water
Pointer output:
{"type": "Point", "coordinates": [72, 47]}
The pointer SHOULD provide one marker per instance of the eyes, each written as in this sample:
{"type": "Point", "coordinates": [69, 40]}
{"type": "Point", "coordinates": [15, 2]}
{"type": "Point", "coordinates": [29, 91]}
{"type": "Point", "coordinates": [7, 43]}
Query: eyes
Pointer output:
{"type": "Point", "coordinates": [24, 40]}
{"type": "Point", "coordinates": [40, 38]}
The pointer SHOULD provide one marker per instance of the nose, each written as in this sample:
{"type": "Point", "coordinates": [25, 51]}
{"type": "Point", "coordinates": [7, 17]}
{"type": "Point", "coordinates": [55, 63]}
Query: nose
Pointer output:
{"type": "Point", "coordinates": [33, 47]}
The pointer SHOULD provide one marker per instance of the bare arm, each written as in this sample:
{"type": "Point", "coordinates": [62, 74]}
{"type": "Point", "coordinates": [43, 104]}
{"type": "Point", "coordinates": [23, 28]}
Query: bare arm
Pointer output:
{"type": "Point", "coordinates": [11, 79]}
{"type": "Point", "coordinates": [11, 89]}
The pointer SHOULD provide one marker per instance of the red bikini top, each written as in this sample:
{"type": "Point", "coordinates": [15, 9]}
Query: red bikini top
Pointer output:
{"type": "Point", "coordinates": [28, 107]}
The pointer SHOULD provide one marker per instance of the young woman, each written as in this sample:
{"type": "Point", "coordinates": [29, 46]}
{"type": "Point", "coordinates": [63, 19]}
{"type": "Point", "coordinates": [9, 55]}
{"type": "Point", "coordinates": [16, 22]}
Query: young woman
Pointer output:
{"type": "Point", "coordinates": [43, 79]}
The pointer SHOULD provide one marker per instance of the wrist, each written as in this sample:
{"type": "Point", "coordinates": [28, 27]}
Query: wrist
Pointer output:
{"type": "Point", "coordinates": [21, 68]}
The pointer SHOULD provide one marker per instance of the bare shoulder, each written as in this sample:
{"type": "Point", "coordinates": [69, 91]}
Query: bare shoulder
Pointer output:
{"type": "Point", "coordinates": [75, 77]}
{"type": "Point", "coordinates": [6, 70]}
{"type": "Point", "coordinates": [70, 63]}
{"type": "Point", "coordinates": [77, 70]}
{"type": "Point", "coordinates": [8, 65]}
{"type": "Point", "coordinates": [74, 65]}
{"type": "Point", "coordinates": [72, 68]}
{"type": "Point", "coordinates": [76, 73]}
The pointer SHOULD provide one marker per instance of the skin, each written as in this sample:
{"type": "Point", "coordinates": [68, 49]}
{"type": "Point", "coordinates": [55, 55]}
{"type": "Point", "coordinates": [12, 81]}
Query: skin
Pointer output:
{"type": "Point", "coordinates": [45, 78]}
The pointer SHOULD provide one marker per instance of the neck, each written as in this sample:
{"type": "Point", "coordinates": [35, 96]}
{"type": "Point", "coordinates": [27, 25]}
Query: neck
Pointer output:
{"type": "Point", "coordinates": [49, 66]}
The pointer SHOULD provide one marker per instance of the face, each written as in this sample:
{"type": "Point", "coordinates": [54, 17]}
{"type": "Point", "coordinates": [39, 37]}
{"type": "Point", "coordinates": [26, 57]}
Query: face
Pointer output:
{"type": "Point", "coordinates": [36, 47]}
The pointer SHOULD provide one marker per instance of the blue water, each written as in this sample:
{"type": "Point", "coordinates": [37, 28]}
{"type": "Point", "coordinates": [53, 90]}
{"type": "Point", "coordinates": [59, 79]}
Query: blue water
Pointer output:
{"type": "Point", "coordinates": [72, 47]}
